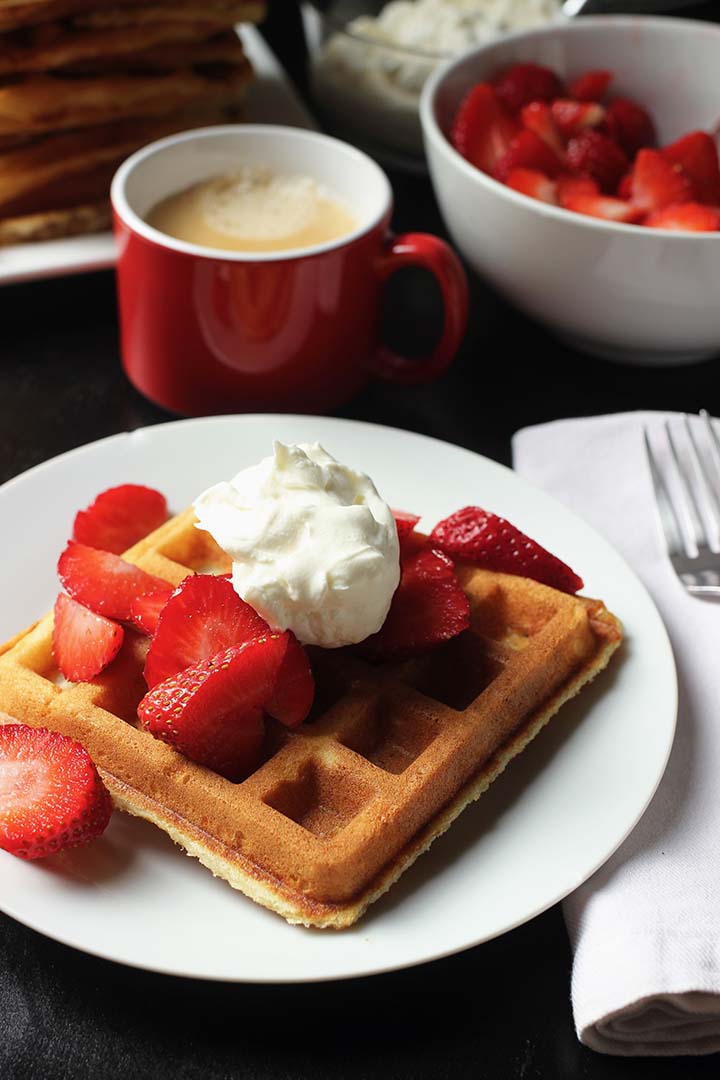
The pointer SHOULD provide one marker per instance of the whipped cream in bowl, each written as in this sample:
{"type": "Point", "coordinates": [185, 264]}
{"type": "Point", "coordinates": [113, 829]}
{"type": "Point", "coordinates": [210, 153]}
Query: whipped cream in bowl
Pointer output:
{"type": "Point", "coordinates": [313, 545]}
{"type": "Point", "coordinates": [368, 71]}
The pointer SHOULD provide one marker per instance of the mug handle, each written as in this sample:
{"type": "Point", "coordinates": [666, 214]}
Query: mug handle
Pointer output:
{"type": "Point", "coordinates": [433, 254]}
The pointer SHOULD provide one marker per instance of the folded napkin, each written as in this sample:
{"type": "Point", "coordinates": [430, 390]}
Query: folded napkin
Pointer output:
{"type": "Point", "coordinates": [646, 927]}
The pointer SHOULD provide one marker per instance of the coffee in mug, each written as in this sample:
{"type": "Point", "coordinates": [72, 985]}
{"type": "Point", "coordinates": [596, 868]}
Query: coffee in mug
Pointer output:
{"type": "Point", "coordinates": [254, 209]}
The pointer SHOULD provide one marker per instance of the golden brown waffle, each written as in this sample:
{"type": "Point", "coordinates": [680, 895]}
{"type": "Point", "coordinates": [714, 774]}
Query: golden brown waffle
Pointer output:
{"type": "Point", "coordinates": [49, 172]}
{"type": "Point", "coordinates": [393, 753]}
{"type": "Point", "coordinates": [57, 45]}
{"type": "Point", "coordinates": [47, 103]}
{"type": "Point", "coordinates": [21, 13]}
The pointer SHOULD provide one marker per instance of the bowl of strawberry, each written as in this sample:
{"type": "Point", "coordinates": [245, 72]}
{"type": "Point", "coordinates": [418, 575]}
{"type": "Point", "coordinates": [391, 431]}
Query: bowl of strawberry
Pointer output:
{"type": "Point", "coordinates": [576, 167]}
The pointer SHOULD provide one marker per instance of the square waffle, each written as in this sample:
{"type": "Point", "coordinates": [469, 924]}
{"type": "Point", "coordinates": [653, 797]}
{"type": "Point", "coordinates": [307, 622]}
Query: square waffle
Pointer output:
{"type": "Point", "coordinates": [392, 753]}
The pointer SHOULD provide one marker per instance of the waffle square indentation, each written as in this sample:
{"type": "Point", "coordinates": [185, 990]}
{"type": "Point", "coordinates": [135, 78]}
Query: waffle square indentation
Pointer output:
{"type": "Point", "coordinates": [393, 738]}
{"type": "Point", "coordinates": [321, 799]}
{"type": "Point", "coordinates": [457, 672]}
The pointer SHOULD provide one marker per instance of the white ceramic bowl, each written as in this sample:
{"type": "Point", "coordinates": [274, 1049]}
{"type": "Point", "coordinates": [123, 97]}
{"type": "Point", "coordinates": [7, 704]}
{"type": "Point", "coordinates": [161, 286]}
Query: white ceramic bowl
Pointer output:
{"type": "Point", "coordinates": [646, 296]}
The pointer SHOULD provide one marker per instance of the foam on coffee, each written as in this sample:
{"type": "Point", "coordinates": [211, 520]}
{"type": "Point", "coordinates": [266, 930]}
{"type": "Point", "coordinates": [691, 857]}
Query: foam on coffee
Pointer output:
{"type": "Point", "coordinates": [254, 209]}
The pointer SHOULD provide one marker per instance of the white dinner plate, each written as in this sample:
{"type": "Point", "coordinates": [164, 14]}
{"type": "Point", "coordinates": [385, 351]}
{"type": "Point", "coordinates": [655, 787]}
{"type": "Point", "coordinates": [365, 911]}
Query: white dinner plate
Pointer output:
{"type": "Point", "coordinates": [270, 99]}
{"type": "Point", "coordinates": [547, 823]}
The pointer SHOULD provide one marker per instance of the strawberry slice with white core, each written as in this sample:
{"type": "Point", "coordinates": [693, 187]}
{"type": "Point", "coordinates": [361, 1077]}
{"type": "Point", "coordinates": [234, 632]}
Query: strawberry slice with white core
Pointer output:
{"type": "Point", "coordinates": [212, 712]}
{"type": "Point", "coordinates": [203, 617]}
{"type": "Point", "coordinates": [478, 536]}
{"type": "Point", "coordinates": [51, 795]}
{"type": "Point", "coordinates": [83, 643]}
{"type": "Point", "coordinates": [104, 582]}
{"type": "Point", "coordinates": [119, 517]}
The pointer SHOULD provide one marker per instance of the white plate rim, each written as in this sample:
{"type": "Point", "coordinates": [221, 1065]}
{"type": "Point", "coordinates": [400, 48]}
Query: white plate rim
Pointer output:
{"type": "Point", "coordinates": [273, 422]}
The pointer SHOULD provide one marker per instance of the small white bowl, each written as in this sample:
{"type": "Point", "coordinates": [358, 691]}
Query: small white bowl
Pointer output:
{"type": "Point", "coordinates": [624, 292]}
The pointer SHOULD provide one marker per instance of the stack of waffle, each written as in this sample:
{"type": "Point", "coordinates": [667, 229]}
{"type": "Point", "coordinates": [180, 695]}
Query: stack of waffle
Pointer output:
{"type": "Point", "coordinates": [84, 83]}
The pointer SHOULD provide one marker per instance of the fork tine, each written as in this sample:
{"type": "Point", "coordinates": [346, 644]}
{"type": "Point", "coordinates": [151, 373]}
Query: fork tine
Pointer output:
{"type": "Point", "coordinates": [714, 443]}
{"type": "Point", "coordinates": [688, 502]}
{"type": "Point", "coordinates": [669, 521]}
{"type": "Point", "coordinates": [704, 480]}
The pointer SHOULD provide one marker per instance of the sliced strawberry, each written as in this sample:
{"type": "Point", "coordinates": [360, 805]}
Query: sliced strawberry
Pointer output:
{"type": "Point", "coordinates": [528, 151]}
{"type": "Point", "coordinates": [572, 117]}
{"type": "Point", "coordinates": [483, 129]}
{"type": "Point", "coordinates": [538, 117]}
{"type": "Point", "coordinates": [532, 183]}
{"type": "Point", "coordinates": [428, 607]}
{"type": "Point", "coordinates": [145, 610]}
{"type": "Point", "coordinates": [203, 617]}
{"type": "Point", "coordinates": [405, 521]}
{"type": "Point", "coordinates": [83, 643]}
{"type": "Point", "coordinates": [632, 126]}
{"type": "Point", "coordinates": [603, 206]}
{"type": "Point", "coordinates": [294, 691]}
{"type": "Point", "coordinates": [478, 536]}
{"type": "Point", "coordinates": [104, 582]}
{"type": "Point", "coordinates": [212, 711]}
{"type": "Point", "coordinates": [51, 796]}
{"type": "Point", "coordinates": [570, 186]}
{"type": "Point", "coordinates": [624, 188]}
{"type": "Point", "coordinates": [522, 83]}
{"type": "Point", "coordinates": [685, 217]}
{"type": "Point", "coordinates": [119, 517]}
{"type": "Point", "coordinates": [697, 156]}
{"type": "Point", "coordinates": [595, 155]}
{"type": "Point", "coordinates": [656, 182]}
{"type": "Point", "coordinates": [592, 86]}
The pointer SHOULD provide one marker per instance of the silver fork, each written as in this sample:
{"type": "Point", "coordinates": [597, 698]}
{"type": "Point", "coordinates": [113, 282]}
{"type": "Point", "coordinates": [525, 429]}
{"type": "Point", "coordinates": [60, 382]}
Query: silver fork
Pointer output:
{"type": "Point", "coordinates": [687, 499]}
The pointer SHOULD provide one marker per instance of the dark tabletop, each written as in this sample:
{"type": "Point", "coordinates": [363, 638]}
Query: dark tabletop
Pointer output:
{"type": "Point", "coordinates": [497, 1012]}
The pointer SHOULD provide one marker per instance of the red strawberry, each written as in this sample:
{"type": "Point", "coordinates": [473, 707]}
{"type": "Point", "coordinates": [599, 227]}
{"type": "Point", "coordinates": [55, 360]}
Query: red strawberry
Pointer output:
{"type": "Point", "coordinates": [685, 217]}
{"type": "Point", "coordinates": [594, 154]}
{"type": "Point", "coordinates": [528, 151]}
{"type": "Point", "coordinates": [405, 522]}
{"type": "Point", "coordinates": [478, 536]}
{"type": "Point", "coordinates": [572, 117]}
{"type": "Point", "coordinates": [571, 186]}
{"type": "Point", "coordinates": [294, 691]}
{"type": "Point", "coordinates": [483, 129]}
{"type": "Point", "coordinates": [145, 610]}
{"type": "Point", "coordinates": [51, 796]}
{"type": "Point", "coordinates": [522, 83]}
{"type": "Point", "coordinates": [212, 711]}
{"type": "Point", "coordinates": [538, 117]}
{"type": "Point", "coordinates": [603, 206]}
{"type": "Point", "coordinates": [429, 607]}
{"type": "Point", "coordinates": [83, 643]}
{"type": "Point", "coordinates": [592, 86]}
{"type": "Point", "coordinates": [203, 617]}
{"type": "Point", "coordinates": [104, 582]}
{"type": "Point", "coordinates": [657, 183]}
{"type": "Point", "coordinates": [697, 156]}
{"type": "Point", "coordinates": [624, 188]}
{"type": "Point", "coordinates": [631, 125]}
{"type": "Point", "coordinates": [120, 517]}
{"type": "Point", "coordinates": [532, 183]}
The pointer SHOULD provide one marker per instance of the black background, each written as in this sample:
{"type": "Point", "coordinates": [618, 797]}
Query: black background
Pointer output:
{"type": "Point", "coordinates": [499, 1011]}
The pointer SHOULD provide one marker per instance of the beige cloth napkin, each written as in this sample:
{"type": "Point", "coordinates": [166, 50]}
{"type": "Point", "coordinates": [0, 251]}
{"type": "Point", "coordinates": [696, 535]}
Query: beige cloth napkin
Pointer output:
{"type": "Point", "coordinates": [645, 928]}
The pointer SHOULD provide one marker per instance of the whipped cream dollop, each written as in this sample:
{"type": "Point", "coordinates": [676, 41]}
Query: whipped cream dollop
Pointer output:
{"type": "Point", "coordinates": [314, 547]}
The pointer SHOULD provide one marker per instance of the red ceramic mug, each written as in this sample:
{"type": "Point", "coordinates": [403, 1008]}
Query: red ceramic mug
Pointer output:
{"type": "Point", "coordinates": [205, 330]}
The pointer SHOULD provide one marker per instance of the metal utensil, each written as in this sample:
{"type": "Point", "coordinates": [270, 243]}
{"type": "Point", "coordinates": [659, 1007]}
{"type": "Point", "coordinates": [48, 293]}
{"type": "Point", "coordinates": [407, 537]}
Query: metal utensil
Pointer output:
{"type": "Point", "coordinates": [688, 501]}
